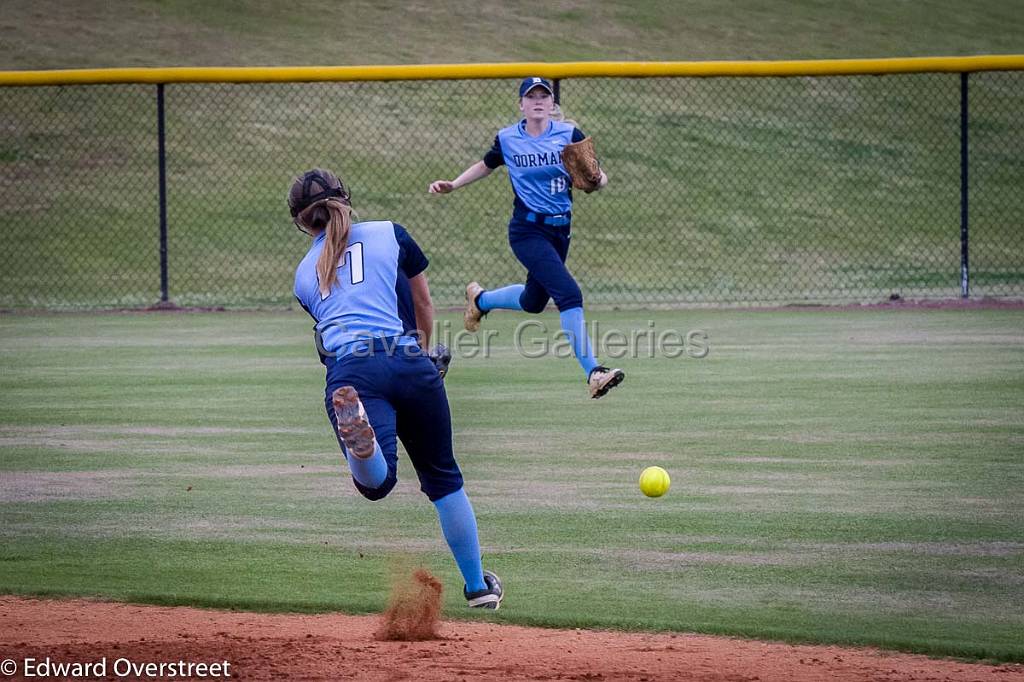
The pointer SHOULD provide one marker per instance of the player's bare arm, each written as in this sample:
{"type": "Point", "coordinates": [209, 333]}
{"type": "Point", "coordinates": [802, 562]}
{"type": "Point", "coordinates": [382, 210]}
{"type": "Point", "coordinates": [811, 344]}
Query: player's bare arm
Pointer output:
{"type": "Point", "coordinates": [475, 172]}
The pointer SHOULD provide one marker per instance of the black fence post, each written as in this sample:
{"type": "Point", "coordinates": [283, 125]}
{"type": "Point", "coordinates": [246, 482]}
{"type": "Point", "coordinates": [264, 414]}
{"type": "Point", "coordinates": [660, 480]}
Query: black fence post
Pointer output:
{"type": "Point", "coordinates": [557, 94]}
{"type": "Point", "coordinates": [964, 262]}
{"type": "Point", "coordinates": [162, 161]}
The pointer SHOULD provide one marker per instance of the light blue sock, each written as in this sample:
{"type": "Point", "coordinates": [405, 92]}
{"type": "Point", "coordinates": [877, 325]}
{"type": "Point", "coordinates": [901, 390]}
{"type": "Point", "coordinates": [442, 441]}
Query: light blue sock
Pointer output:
{"type": "Point", "coordinates": [506, 298]}
{"type": "Point", "coordinates": [369, 472]}
{"type": "Point", "coordinates": [575, 328]}
{"type": "Point", "coordinates": [458, 523]}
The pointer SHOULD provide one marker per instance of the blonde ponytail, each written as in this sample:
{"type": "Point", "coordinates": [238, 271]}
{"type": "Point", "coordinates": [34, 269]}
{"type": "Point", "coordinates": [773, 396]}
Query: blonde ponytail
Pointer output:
{"type": "Point", "coordinates": [339, 224]}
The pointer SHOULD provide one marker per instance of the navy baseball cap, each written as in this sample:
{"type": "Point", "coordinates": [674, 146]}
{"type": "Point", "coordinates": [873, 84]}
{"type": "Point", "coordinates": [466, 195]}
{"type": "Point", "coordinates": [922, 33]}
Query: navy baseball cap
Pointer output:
{"type": "Point", "coordinates": [535, 82]}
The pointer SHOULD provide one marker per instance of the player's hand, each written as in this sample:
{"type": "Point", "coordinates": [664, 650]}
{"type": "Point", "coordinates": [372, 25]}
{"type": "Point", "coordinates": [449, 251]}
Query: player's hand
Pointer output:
{"type": "Point", "coordinates": [442, 187]}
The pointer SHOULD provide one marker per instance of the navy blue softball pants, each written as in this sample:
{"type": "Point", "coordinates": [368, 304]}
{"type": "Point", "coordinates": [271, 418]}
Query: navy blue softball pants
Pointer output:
{"type": "Point", "coordinates": [405, 400]}
{"type": "Point", "coordinates": [542, 249]}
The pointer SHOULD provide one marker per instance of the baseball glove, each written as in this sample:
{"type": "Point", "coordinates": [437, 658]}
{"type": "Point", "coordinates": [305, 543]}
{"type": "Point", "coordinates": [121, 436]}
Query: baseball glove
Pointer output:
{"type": "Point", "coordinates": [442, 358]}
{"type": "Point", "coordinates": [580, 161]}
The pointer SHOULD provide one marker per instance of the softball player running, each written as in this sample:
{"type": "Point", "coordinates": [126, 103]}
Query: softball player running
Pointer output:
{"type": "Point", "coordinates": [540, 228]}
{"type": "Point", "coordinates": [380, 385]}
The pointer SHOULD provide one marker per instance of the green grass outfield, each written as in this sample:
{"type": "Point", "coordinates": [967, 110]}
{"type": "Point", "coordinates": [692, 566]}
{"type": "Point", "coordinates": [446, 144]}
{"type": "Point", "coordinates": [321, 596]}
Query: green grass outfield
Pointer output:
{"type": "Point", "coordinates": [851, 477]}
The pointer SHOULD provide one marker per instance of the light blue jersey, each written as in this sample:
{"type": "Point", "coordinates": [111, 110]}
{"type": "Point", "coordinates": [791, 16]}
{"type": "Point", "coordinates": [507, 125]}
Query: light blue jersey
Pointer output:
{"type": "Point", "coordinates": [535, 165]}
{"type": "Point", "coordinates": [363, 303]}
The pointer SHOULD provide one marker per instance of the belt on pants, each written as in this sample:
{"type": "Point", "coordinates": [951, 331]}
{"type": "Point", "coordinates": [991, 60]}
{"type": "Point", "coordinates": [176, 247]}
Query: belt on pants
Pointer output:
{"type": "Point", "coordinates": [557, 220]}
{"type": "Point", "coordinates": [368, 347]}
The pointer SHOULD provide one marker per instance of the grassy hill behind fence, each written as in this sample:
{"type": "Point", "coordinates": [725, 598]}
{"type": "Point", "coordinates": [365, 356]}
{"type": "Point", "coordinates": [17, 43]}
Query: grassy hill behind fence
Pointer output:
{"type": "Point", "coordinates": [723, 190]}
{"type": "Point", "coordinates": [51, 34]}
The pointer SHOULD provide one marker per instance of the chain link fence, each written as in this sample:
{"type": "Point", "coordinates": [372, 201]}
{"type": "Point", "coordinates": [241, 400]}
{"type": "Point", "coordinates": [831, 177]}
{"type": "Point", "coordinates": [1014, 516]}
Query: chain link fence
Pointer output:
{"type": "Point", "coordinates": [723, 190]}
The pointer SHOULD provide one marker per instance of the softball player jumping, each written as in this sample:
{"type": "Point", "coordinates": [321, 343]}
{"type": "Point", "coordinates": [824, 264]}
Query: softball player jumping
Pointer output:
{"type": "Point", "coordinates": [540, 228]}
{"type": "Point", "coordinates": [380, 385]}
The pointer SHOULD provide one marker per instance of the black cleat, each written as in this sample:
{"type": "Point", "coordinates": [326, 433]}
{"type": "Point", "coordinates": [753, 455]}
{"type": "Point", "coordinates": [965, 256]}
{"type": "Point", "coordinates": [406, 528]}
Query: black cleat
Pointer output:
{"type": "Point", "coordinates": [488, 598]}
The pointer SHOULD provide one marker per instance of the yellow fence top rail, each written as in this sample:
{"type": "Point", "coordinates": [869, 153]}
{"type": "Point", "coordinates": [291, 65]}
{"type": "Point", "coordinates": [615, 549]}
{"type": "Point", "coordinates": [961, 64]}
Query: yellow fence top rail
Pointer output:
{"type": "Point", "coordinates": [282, 74]}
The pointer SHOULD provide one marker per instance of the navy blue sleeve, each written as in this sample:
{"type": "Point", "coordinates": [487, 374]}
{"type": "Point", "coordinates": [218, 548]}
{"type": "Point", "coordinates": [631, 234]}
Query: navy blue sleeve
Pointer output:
{"type": "Point", "coordinates": [406, 309]}
{"type": "Point", "coordinates": [577, 135]}
{"type": "Point", "coordinates": [411, 260]}
{"type": "Point", "coordinates": [494, 158]}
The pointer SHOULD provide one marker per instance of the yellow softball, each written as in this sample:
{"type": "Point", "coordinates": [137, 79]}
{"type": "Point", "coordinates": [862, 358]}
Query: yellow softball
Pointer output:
{"type": "Point", "coordinates": [654, 482]}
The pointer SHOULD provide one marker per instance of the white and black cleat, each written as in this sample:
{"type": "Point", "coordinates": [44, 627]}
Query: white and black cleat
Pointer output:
{"type": "Point", "coordinates": [488, 598]}
{"type": "Point", "coordinates": [602, 380]}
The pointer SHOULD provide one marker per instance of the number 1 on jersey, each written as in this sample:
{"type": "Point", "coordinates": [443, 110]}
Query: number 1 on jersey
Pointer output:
{"type": "Point", "coordinates": [354, 257]}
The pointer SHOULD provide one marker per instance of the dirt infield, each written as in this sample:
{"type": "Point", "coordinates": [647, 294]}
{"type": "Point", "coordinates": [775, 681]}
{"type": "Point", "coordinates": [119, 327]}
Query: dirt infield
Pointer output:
{"type": "Point", "coordinates": [331, 647]}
